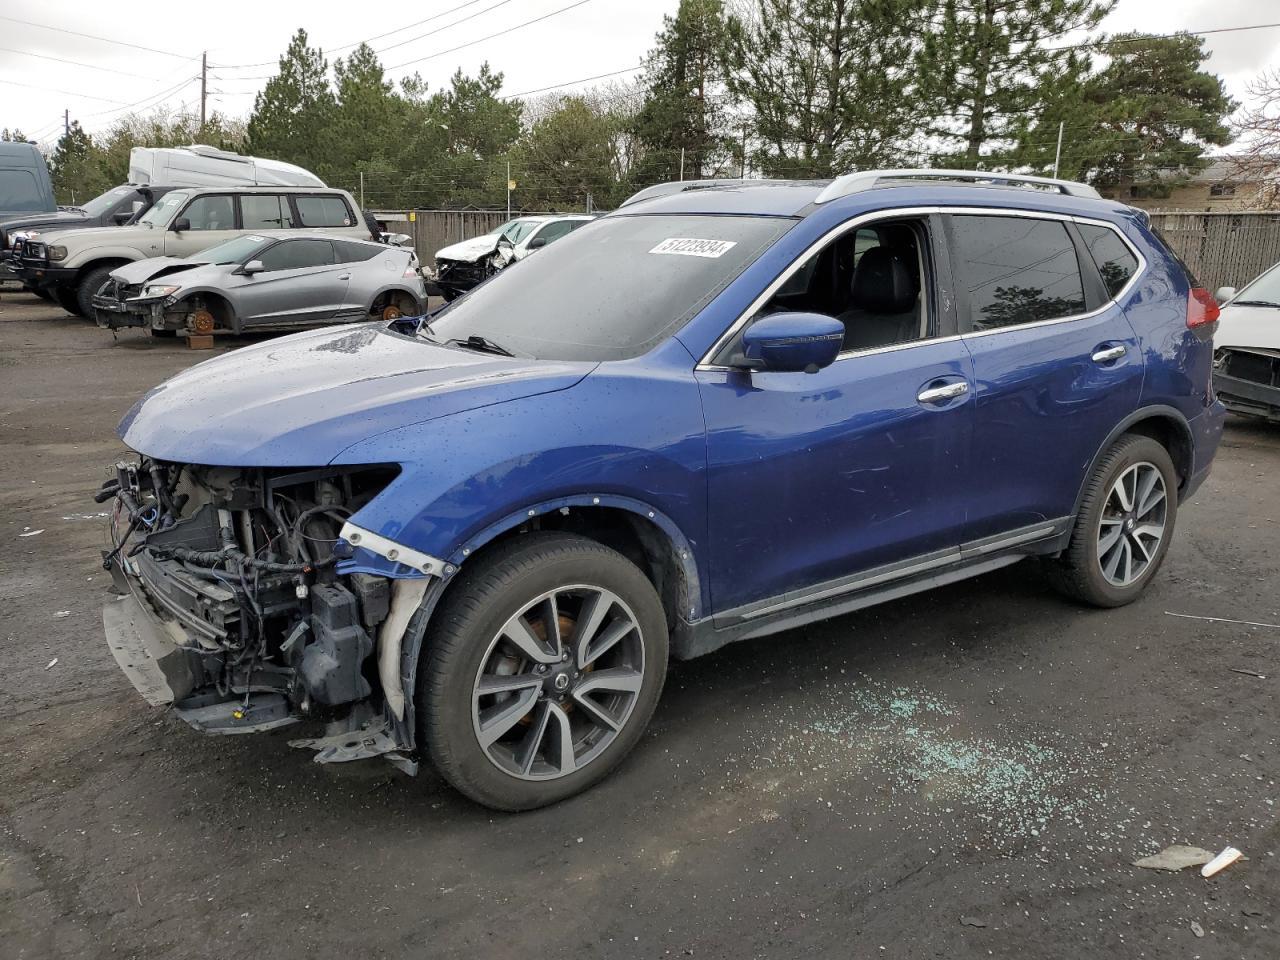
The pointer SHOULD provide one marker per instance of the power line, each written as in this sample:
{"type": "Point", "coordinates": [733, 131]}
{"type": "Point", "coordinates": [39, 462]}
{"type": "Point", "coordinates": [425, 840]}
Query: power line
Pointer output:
{"type": "Point", "coordinates": [76, 63]}
{"type": "Point", "coordinates": [472, 43]}
{"type": "Point", "coordinates": [90, 36]}
{"type": "Point", "coordinates": [67, 93]}
{"type": "Point", "coordinates": [570, 83]}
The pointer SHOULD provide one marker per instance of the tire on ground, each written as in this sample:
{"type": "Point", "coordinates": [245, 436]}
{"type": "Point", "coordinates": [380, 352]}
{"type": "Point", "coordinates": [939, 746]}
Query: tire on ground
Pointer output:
{"type": "Point", "coordinates": [88, 288]}
{"type": "Point", "coordinates": [1078, 571]}
{"type": "Point", "coordinates": [487, 593]}
{"type": "Point", "coordinates": [65, 297]}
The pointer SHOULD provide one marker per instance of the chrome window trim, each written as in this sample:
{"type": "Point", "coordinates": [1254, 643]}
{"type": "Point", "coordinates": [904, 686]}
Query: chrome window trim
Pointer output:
{"type": "Point", "coordinates": [705, 364]}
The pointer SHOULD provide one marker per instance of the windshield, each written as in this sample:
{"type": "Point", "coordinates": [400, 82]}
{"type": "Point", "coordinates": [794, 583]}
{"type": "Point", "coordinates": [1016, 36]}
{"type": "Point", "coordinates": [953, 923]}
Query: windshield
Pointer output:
{"type": "Point", "coordinates": [661, 270]}
{"type": "Point", "coordinates": [101, 204]}
{"type": "Point", "coordinates": [514, 230]}
{"type": "Point", "coordinates": [239, 250]}
{"type": "Point", "coordinates": [159, 214]}
{"type": "Point", "coordinates": [1265, 290]}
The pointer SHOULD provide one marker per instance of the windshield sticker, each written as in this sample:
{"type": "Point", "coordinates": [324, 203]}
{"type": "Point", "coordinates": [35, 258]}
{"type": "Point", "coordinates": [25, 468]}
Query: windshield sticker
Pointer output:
{"type": "Point", "coordinates": [686, 247]}
{"type": "Point", "coordinates": [256, 239]}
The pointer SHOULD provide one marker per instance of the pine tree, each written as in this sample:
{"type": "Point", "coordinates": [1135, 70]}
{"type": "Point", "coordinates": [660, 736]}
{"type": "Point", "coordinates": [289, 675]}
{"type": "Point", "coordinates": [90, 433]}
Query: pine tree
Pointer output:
{"type": "Point", "coordinates": [76, 167]}
{"type": "Point", "coordinates": [827, 81]}
{"type": "Point", "coordinates": [292, 115]}
{"type": "Point", "coordinates": [985, 65]}
{"type": "Point", "coordinates": [12, 136]}
{"type": "Point", "coordinates": [685, 109]}
{"type": "Point", "coordinates": [1144, 120]}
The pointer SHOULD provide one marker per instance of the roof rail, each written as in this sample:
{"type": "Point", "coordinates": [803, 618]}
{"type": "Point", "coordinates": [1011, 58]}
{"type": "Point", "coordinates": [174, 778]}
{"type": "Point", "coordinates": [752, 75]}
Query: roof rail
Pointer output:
{"type": "Point", "coordinates": [866, 179]}
{"type": "Point", "coordinates": [680, 186]}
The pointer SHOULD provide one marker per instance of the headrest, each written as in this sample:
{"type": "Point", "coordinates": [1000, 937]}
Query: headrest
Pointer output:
{"type": "Point", "coordinates": [882, 282]}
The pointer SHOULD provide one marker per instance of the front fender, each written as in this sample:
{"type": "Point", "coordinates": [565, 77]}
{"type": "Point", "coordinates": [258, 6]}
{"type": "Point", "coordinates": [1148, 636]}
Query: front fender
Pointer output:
{"type": "Point", "coordinates": [95, 255]}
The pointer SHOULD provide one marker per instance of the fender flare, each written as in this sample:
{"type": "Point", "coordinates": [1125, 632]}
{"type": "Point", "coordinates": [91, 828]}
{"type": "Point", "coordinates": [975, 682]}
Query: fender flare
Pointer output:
{"type": "Point", "coordinates": [1155, 411]}
{"type": "Point", "coordinates": [99, 255]}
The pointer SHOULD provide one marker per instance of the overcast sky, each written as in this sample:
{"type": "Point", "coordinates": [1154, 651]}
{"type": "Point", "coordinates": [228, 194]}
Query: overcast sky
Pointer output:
{"type": "Point", "coordinates": [244, 39]}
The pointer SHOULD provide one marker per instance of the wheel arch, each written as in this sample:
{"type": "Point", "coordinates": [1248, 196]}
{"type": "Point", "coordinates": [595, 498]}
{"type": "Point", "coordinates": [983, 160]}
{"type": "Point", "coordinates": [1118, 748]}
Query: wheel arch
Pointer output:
{"type": "Point", "coordinates": [1163, 424]}
{"type": "Point", "coordinates": [217, 303]}
{"type": "Point", "coordinates": [397, 290]}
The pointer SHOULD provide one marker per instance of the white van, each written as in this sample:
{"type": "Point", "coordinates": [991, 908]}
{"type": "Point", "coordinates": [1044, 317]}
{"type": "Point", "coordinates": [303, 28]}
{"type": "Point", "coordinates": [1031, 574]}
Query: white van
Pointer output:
{"type": "Point", "coordinates": [202, 166]}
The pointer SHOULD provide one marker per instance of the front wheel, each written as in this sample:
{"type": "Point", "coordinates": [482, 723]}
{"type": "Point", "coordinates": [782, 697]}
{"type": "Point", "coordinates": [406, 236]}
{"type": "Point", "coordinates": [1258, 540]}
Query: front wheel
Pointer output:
{"type": "Point", "coordinates": [90, 285]}
{"type": "Point", "coordinates": [1124, 528]}
{"type": "Point", "coordinates": [543, 668]}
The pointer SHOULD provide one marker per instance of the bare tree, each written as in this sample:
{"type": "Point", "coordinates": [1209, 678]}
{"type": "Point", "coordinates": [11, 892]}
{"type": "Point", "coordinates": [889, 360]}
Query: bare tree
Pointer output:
{"type": "Point", "coordinates": [1257, 128]}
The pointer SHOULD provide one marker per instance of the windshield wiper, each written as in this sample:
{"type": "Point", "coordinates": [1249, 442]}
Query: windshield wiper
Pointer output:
{"type": "Point", "coordinates": [1254, 303]}
{"type": "Point", "coordinates": [483, 344]}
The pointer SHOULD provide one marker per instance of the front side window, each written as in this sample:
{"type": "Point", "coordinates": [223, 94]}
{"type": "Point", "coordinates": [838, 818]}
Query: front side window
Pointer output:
{"type": "Point", "coordinates": [554, 231]}
{"type": "Point", "coordinates": [1114, 259]}
{"type": "Point", "coordinates": [320, 211]}
{"type": "Point", "coordinates": [297, 254]}
{"type": "Point", "coordinates": [660, 271]}
{"type": "Point", "coordinates": [164, 208]}
{"type": "Point", "coordinates": [212, 212]}
{"type": "Point", "coordinates": [1015, 270]}
{"type": "Point", "coordinates": [267, 211]}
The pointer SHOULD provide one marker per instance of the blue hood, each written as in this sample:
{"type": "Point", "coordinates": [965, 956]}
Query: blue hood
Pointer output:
{"type": "Point", "coordinates": [301, 400]}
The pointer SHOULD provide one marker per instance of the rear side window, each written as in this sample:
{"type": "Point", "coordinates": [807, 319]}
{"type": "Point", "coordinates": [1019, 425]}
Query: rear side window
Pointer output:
{"type": "Point", "coordinates": [323, 211]}
{"type": "Point", "coordinates": [264, 212]}
{"type": "Point", "coordinates": [349, 252]}
{"type": "Point", "coordinates": [296, 254]}
{"type": "Point", "coordinates": [1015, 270]}
{"type": "Point", "coordinates": [1115, 260]}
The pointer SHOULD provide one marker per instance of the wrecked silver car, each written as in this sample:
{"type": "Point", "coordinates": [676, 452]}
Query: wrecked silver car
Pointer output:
{"type": "Point", "coordinates": [261, 282]}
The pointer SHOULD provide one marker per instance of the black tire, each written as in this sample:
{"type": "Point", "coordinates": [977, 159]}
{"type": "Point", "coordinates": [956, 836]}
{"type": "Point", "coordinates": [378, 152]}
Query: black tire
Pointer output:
{"type": "Point", "coordinates": [65, 297]}
{"type": "Point", "coordinates": [486, 596]}
{"type": "Point", "coordinates": [89, 285]}
{"type": "Point", "coordinates": [41, 292]}
{"type": "Point", "coordinates": [1078, 572]}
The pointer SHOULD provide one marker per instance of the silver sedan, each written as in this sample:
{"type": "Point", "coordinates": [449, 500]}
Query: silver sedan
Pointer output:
{"type": "Point", "coordinates": [264, 283]}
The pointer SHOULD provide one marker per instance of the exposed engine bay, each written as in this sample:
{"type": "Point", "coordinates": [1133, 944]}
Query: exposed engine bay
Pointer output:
{"type": "Point", "coordinates": [241, 569]}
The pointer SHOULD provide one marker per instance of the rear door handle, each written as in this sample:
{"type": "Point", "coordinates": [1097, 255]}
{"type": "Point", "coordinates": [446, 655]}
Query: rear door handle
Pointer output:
{"type": "Point", "coordinates": [1107, 354]}
{"type": "Point", "coordinates": [947, 391]}
{"type": "Point", "coordinates": [345, 276]}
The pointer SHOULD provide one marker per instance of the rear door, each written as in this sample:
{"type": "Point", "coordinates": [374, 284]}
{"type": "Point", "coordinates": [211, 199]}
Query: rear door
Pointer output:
{"type": "Point", "coordinates": [268, 214]}
{"type": "Point", "coordinates": [301, 283]}
{"type": "Point", "coordinates": [212, 219]}
{"type": "Point", "coordinates": [1056, 366]}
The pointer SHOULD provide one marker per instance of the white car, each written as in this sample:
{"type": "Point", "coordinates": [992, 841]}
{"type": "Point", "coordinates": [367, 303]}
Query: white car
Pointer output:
{"type": "Point", "coordinates": [461, 266]}
{"type": "Point", "coordinates": [1246, 363]}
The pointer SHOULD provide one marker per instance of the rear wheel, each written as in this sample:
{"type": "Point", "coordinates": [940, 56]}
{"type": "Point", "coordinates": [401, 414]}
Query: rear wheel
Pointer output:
{"type": "Point", "coordinates": [545, 664]}
{"type": "Point", "coordinates": [1124, 528]}
{"type": "Point", "coordinates": [90, 284]}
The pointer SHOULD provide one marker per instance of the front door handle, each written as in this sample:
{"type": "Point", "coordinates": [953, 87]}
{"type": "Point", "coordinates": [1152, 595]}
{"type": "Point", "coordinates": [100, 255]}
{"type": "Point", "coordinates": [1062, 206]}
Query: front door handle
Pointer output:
{"type": "Point", "coordinates": [345, 276]}
{"type": "Point", "coordinates": [947, 391]}
{"type": "Point", "coordinates": [1107, 354]}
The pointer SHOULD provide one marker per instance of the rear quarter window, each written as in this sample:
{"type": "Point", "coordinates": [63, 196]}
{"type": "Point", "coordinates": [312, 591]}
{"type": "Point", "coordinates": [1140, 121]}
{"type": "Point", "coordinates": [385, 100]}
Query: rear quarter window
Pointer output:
{"type": "Point", "coordinates": [1114, 259]}
{"type": "Point", "coordinates": [320, 211]}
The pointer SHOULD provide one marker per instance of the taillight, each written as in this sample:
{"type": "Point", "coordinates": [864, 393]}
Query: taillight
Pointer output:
{"type": "Point", "coordinates": [1202, 309]}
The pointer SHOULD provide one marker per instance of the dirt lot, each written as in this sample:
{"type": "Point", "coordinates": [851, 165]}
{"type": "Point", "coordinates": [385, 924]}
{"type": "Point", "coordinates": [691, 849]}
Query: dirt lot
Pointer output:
{"type": "Point", "coordinates": [964, 774]}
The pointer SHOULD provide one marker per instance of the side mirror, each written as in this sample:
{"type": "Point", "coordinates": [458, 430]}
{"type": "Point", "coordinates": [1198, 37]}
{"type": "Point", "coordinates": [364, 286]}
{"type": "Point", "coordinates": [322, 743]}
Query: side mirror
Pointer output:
{"type": "Point", "coordinates": [792, 342]}
{"type": "Point", "coordinates": [1224, 294]}
{"type": "Point", "coordinates": [137, 207]}
{"type": "Point", "coordinates": [252, 267]}
{"type": "Point", "coordinates": [181, 225]}
{"type": "Point", "coordinates": [121, 218]}
{"type": "Point", "coordinates": [537, 242]}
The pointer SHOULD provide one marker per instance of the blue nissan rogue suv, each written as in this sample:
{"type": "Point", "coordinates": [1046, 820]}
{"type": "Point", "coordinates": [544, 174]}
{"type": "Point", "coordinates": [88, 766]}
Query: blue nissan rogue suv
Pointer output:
{"type": "Point", "coordinates": [726, 409]}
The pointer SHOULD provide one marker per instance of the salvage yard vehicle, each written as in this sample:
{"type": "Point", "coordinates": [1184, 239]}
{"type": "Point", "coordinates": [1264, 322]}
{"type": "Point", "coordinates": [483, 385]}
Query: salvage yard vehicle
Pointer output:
{"type": "Point", "coordinates": [477, 537]}
{"type": "Point", "coordinates": [25, 189]}
{"type": "Point", "coordinates": [1246, 371]}
{"type": "Point", "coordinates": [258, 282]}
{"type": "Point", "coordinates": [73, 265]}
{"type": "Point", "coordinates": [461, 266]}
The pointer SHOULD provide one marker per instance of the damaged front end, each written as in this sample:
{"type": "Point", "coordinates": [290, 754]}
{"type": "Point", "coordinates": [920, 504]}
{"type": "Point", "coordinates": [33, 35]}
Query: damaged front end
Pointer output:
{"type": "Point", "coordinates": [251, 602]}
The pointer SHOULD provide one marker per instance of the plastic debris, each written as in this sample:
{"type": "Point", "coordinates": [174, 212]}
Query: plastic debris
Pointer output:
{"type": "Point", "coordinates": [1244, 623]}
{"type": "Point", "coordinates": [1176, 857]}
{"type": "Point", "coordinates": [972, 922]}
{"type": "Point", "coordinates": [50, 664]}
{"type": "Point", "coordinates": [31, 533]}
{"type": "Point", "coordinates": [1249, 673]}
{"type": "Point", "coordinates": [1197, 929]}
{"type": "Point", "coordinates": [1223, 860]}
{"type": "Point", "coordinates": [61, 613]}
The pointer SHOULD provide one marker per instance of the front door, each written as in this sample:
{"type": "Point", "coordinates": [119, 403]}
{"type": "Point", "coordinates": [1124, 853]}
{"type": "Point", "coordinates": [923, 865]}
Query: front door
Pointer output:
{"type": "Point", "coordinates": [1056, 365]}
{"type": "Point", "coordinates": [859, 468]}
{"type": "Point", "coordinates": [301, 282]}
{"type": "Point", "coordinates": [210, 219]}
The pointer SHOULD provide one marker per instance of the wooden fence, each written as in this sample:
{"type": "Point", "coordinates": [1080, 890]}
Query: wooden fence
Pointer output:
{"type": "Point", "coordinates": [1222, 249]}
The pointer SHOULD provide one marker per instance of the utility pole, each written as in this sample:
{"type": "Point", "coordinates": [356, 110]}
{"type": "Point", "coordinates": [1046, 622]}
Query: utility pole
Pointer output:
{"type": "Point", "coordinates": [66, 123]}
{"type": "Point", "coordinates": [508, 189]}
{"type": "Point", "coordinates": [204, 85]}
{"type": "Point", "coordinates": [361, 189]}
{"type": "Point", "coordinates": [743, 175]}
{"type": "Point", "coordinates": [682, 164]}
{"type": "Point", "coordinates": [1057, 157]}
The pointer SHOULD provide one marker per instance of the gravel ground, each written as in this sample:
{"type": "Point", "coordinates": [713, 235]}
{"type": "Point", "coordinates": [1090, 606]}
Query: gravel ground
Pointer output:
{"type": "Point", "coordinates": [968, 773]}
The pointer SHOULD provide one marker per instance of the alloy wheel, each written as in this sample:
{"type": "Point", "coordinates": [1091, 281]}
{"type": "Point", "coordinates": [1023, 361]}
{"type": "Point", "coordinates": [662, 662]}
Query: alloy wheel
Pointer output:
{"type": "Point", "coordinates": [558, 682]}
{"type": "Point", "coordinates": [1132, 526]}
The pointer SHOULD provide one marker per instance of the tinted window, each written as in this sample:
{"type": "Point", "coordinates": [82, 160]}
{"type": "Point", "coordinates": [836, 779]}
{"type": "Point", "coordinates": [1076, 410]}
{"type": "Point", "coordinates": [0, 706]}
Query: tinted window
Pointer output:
{"type": "Point", "coordinates": [1016, 270]}
{"type": "Point", "coordinates": [19, 192]}
{"type": "Point", "coordinates": [264, 212]}
{"type": "Point", "coordinates": [349, 252]}
{"type": "Point", "coordinates": [211, 213]}
{"type": "Point", "coordinates": [295, 254]}
{"type": "Point", "coordinates": [661, 270]}
{"type": "Point", "coordinates": [554, 231]}
{"type": "Point", "coordinates": [323, 211]}
{"type": "Point", "coordinates": [1115, 261]}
